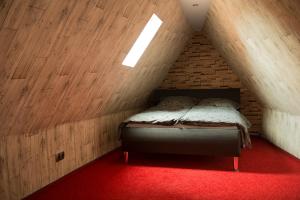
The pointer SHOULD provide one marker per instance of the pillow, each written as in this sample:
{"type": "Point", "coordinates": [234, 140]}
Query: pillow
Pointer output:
{"type": "Point", "coordinates": [177, 102]}
{"type": "Point", "coordinates": [219, 102]}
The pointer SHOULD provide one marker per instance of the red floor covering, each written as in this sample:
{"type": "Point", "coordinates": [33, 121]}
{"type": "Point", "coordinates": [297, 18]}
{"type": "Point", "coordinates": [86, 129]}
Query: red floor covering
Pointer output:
{"type": "Point", "coordinates": [266, 172]}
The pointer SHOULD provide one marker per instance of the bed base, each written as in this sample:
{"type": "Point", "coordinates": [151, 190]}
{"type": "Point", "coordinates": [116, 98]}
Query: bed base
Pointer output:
{"type": "Point", "coordinates": [202, 141]}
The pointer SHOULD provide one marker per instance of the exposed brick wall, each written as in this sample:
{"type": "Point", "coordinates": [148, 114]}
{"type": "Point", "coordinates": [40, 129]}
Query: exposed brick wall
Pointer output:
{"type": "Point", "coordinates": [200, 66]}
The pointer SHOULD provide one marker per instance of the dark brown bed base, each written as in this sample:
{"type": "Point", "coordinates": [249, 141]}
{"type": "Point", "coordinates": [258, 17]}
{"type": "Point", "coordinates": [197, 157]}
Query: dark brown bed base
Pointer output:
{"type": "Point", "coordinates": [195, 141]}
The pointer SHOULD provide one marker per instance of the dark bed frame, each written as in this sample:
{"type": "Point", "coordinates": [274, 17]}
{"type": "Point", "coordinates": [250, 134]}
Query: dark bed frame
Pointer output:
{"type": "Point", "coordinates": [212, 141]}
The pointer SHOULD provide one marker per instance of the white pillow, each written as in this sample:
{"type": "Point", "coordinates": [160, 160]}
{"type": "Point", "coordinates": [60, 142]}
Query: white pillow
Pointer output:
{"type": "Point", "coordinates": [177, 102]}
{"type": "Point", "coordinates": [219, 102]}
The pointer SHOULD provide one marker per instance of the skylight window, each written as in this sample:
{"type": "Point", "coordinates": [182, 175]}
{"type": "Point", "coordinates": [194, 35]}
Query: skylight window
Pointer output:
{"type": "Point", "coordinates": [143, 41]}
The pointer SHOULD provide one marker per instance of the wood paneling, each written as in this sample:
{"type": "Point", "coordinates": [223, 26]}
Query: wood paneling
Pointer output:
{"type": "Point", "coordinates": [28, 161]}
{"type": "Point", "coordinates": [200, 66]}
{"type": "Point", "coordinates": [60, 61]}
{"type": "Point", "coordinates": [260, 40]}
{"type": "Point", "coordinates": [62, 85]}
{"type": "Point", "coordinates": [282, 129]}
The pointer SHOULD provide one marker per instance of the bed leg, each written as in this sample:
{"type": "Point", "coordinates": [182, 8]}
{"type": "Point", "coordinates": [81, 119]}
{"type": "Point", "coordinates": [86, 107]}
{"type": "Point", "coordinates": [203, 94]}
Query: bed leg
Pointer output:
{"type": "Point", "coordinates": [236, 163]}
{"type": "Point", "coordinates": [126, 156]}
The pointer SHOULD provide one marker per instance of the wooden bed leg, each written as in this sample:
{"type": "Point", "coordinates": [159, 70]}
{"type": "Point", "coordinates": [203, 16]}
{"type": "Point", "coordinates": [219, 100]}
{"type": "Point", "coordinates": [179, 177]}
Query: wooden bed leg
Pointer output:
{"type": "Point", "coordinates": [126, 156]}
{"type": "Point", "coordinates": [236, 163]}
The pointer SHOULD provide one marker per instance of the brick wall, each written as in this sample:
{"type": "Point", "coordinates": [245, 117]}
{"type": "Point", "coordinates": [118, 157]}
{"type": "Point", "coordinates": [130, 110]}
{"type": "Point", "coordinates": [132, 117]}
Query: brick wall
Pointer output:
{"type": "Point", "coordinates": [200, 66]}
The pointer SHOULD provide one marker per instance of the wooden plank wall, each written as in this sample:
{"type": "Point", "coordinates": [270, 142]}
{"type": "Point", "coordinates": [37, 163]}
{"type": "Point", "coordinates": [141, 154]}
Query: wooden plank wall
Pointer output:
{"type": "Point", "coordinates": [28, 161]}
{"type": "Point", "coordinates": [62, 85]}
{"type": "Point", "coordinates": [200, 66]}
{"type": "Point", "coordinates": [282, 129]}
{"type": "Point", "coordinates": [261, 41]}
{"type": "Point", "coordinates": [60, 60]}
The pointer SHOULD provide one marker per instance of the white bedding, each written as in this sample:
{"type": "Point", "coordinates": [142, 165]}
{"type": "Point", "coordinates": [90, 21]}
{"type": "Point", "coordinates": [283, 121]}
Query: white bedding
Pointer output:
{"type": "Point", "coordinates": [214, 114]}
{"type": "Point", "coordinates": [156, 115]}
{"type": "Point", "coordinates": [194, 114]}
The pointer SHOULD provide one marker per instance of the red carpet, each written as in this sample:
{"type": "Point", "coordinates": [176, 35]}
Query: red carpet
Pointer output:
{"type": "Point", "coordinates": [265, 173]}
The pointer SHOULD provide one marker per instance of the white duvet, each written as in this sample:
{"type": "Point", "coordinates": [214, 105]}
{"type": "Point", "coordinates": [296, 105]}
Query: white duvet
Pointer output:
{"type": "Point", "coordinates": [195, 114]}
{"type": "Point", "coordinates": [214, 114]}
{"type": "Point", "coordinates": [158, 115]}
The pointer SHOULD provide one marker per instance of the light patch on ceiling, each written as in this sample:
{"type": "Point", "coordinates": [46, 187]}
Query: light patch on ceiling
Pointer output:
{"type": "Point", "coordinates": [143, 41]}
{"type": "Point", "coordinates": [195, 11]}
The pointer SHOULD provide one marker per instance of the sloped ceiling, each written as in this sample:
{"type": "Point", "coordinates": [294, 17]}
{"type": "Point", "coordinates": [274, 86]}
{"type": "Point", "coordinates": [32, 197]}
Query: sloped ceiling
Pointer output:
{"type": "Point", "coordinates": [60, 61]}
{"type": "Point", "coordinates": [261, 40]}
{"type": "Point", "coordinates": [195, 11]}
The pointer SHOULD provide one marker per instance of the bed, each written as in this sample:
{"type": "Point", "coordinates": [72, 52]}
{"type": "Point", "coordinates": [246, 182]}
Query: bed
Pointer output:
{"type": "Point", "coordinates": [186, 127]}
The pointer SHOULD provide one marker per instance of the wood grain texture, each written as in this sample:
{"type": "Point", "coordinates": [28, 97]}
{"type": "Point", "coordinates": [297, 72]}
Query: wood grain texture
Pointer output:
{"type": "Point", "coordinates": [27, 162]}
{"type": "Point", "coordinates": [200, 66]}
{"type": "Point", "coordinates": [261, 41]}
{"type": "Point", "coordinates": [282, 129]}
{"type": "Point", "coordinates": [62, 85]}
{"type": "Point", "coordinates": [60, 61]}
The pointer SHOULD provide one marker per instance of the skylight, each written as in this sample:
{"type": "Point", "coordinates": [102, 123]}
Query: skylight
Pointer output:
{"type": "Point", "coordinates": [143, 41]}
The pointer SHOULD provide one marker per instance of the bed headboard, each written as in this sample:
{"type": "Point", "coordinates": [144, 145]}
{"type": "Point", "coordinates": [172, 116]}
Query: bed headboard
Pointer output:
{"type": "Point", "coordinates": [232, 94]}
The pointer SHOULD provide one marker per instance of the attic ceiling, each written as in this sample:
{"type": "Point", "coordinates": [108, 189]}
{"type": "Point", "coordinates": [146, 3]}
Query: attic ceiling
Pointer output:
{"type": "Point", "coordinates": [60, 61]}
{"type": "Point", "coordinates": [261, 41]}
{"type": "Point", "coordinates": [196, 11]}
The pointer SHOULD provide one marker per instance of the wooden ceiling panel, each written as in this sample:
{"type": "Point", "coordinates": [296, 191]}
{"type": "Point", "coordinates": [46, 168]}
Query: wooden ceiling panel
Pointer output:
{"type": "Point", "coordinates": [260, 39]}
{"type": "Point", "coordinates": [60, 61]}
